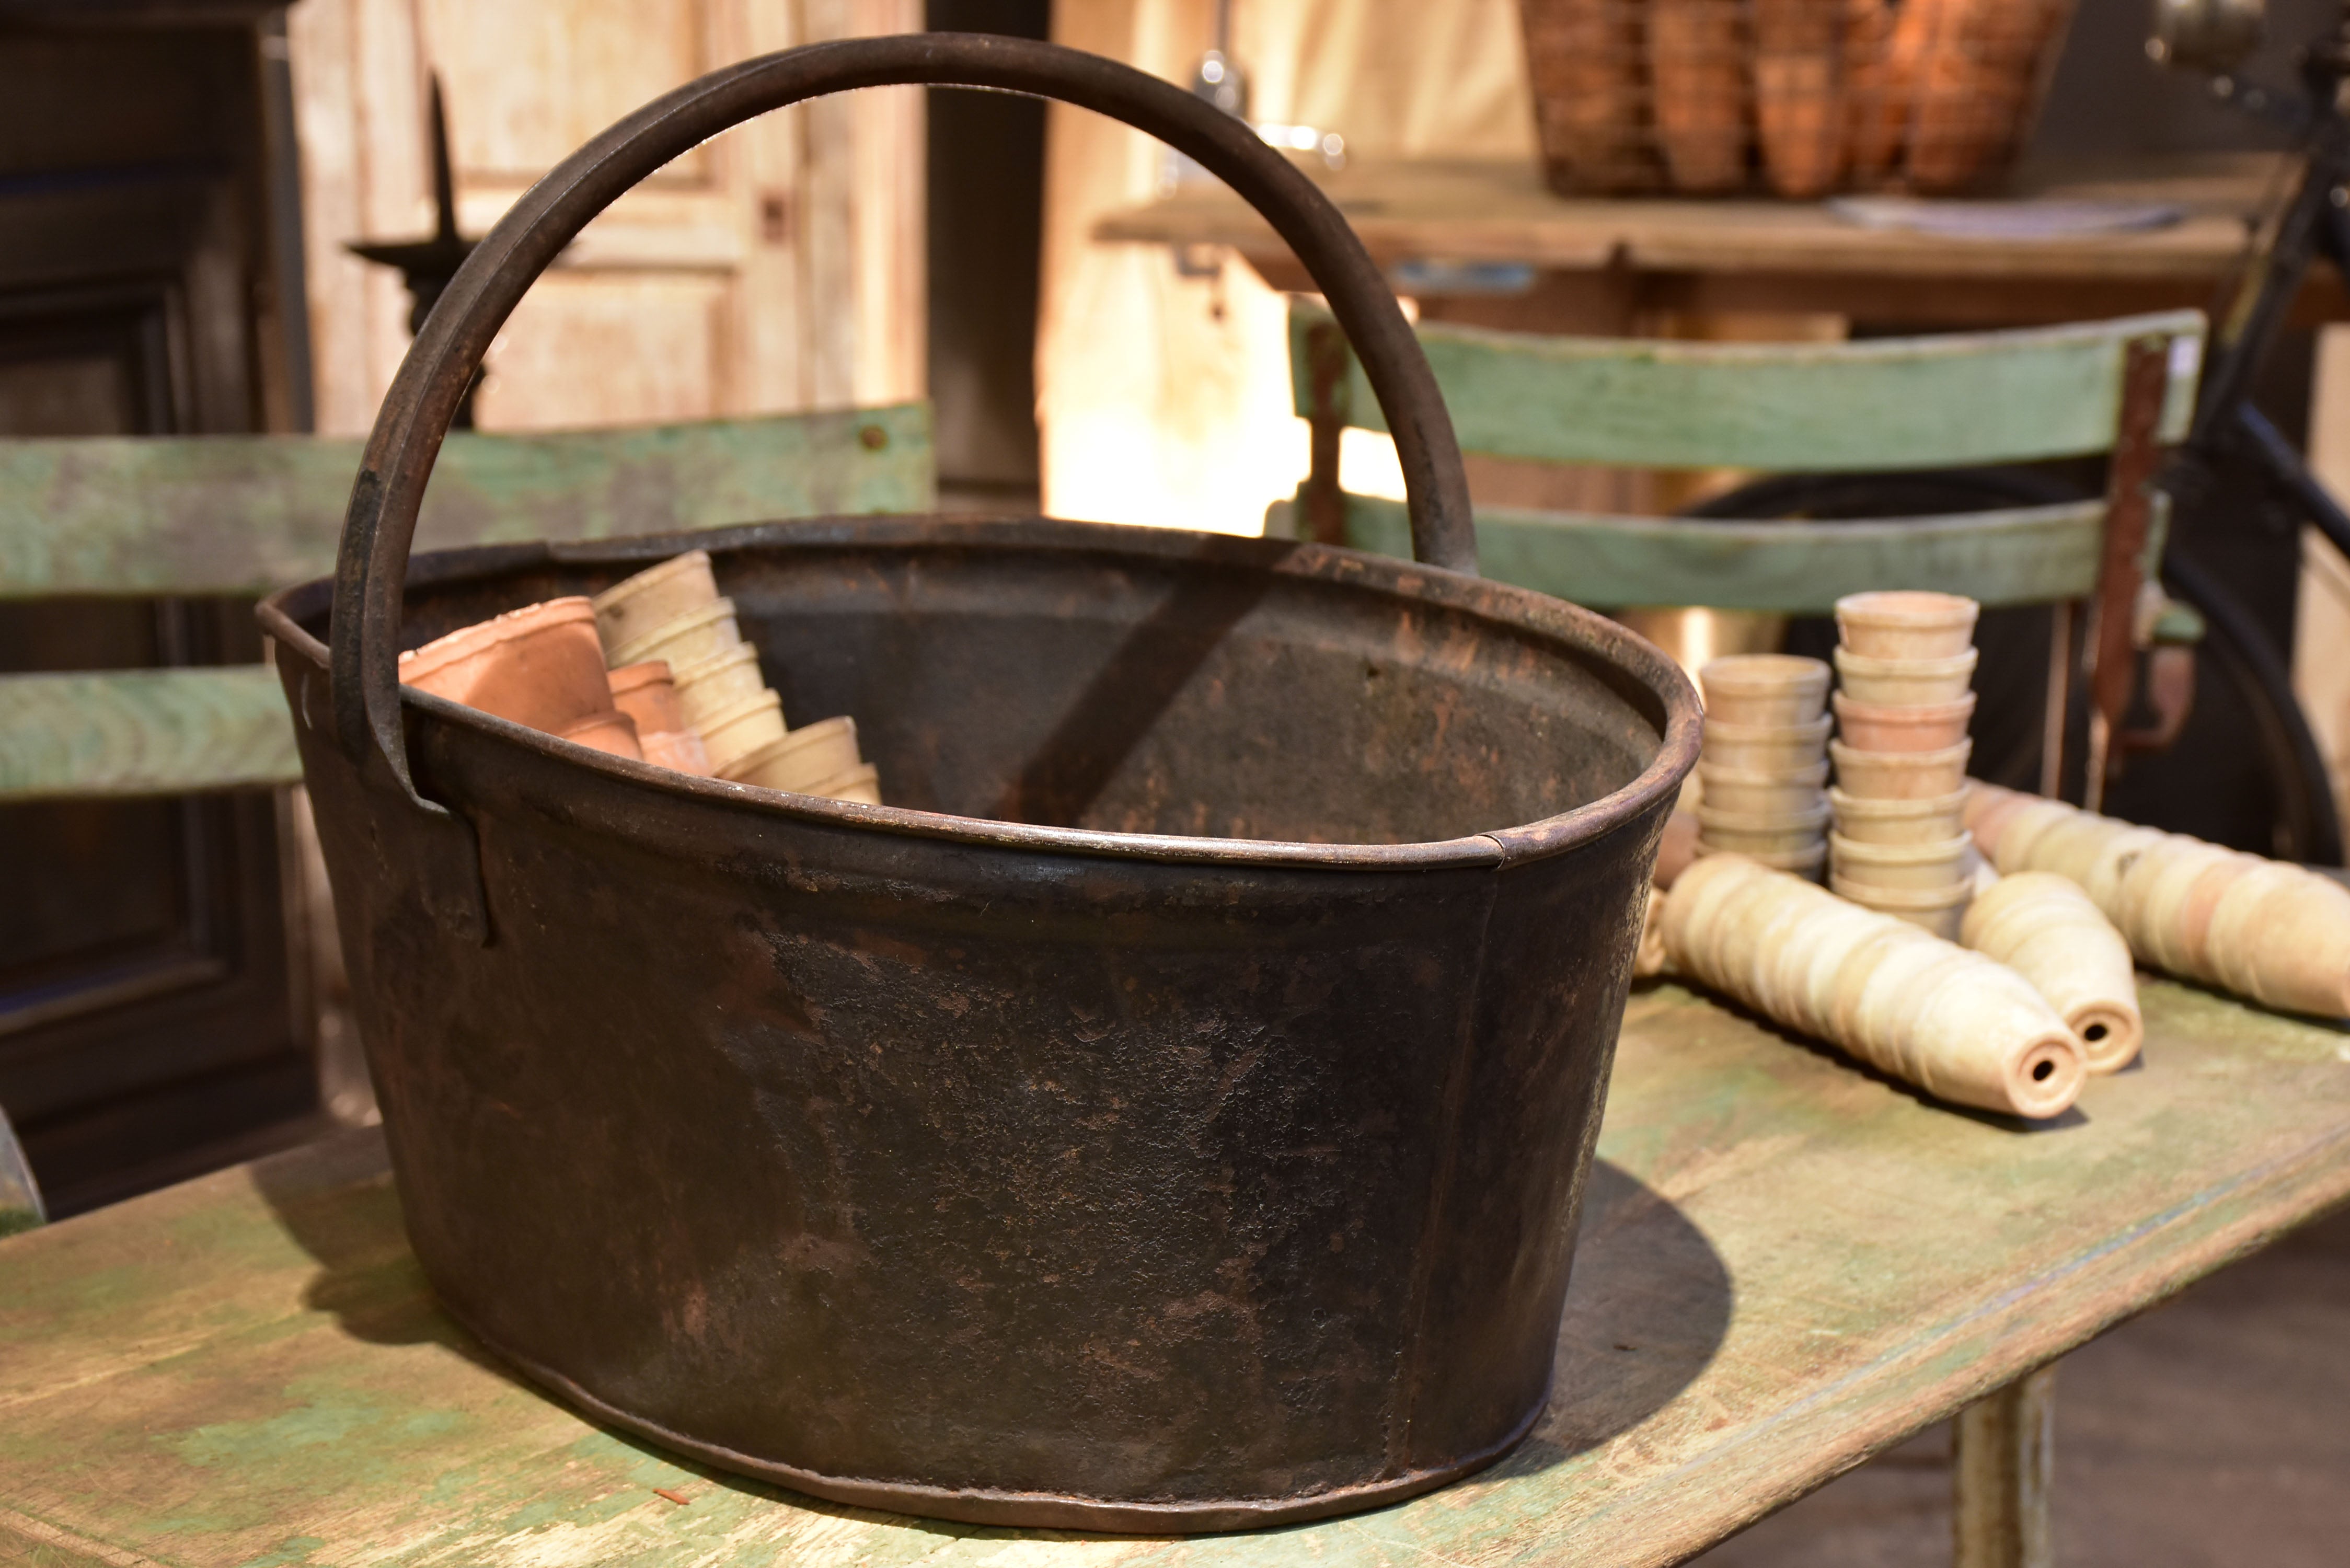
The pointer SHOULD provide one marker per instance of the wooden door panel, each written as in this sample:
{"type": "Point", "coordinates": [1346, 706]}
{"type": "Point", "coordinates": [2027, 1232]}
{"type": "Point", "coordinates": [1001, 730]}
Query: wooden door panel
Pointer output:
{"type": "Point", "coordinates": [592, 347]}
{"type": "Point", "coordinates": [589, 62]}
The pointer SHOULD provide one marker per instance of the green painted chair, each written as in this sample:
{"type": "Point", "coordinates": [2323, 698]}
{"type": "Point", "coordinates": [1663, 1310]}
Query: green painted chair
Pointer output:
{"type": "Point", "coordinates": [2124, 389]}
{"type": "Point", "coordinates": [240, 515]}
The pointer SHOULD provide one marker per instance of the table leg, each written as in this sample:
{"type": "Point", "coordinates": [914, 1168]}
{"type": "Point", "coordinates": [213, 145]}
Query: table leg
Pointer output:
{"type": "Point", "coordinates": [2001, 1469]}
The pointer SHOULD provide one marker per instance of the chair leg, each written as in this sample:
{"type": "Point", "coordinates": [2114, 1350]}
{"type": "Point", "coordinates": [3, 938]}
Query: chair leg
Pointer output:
{"type": "Point", "coordinates": [2060, 697]}
{"type": "Point", "coordinates": [2001, 1472]}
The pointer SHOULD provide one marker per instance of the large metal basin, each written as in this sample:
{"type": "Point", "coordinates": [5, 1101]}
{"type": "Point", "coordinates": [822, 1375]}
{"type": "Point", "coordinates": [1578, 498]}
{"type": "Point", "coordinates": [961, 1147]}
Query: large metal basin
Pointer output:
{"type": "Point", "coordinates": [1169, 1114]}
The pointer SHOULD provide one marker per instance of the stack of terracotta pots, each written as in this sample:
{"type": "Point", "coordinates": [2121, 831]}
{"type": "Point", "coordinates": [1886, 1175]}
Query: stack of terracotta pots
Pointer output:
{"type": "Point", "coordinates": [540, 665]}
{"type": "Point", "coordinates": [673, 615]}
{"type": "Point", "coordinates": [1763, 770]}
{"type": "Point", "coordinates": [1905, 671]}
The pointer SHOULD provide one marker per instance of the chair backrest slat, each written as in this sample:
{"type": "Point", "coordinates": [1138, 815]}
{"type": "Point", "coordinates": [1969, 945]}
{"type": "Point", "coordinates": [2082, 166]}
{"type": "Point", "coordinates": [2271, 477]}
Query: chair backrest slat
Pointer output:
{"type": "Point", "coordinates": [2026, 556]}
{"type": "Point", "coordinates": [245, 515]}
{"type": "Point", "coordinates": [1955, 400]}
{"type": "Point", "coordinates": [145, 733]}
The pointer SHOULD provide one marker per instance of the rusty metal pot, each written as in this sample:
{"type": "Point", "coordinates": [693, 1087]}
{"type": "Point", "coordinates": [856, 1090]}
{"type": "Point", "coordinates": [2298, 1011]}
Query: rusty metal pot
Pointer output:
{"type": "Point", "coordinates": [1169, 1114]}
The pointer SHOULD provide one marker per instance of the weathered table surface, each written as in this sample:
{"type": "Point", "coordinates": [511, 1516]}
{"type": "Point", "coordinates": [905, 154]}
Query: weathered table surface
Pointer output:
{"type": "Point", "coordinates": [1594, 259]}
{"type": "Point", "coordinates": [1787, 1265]}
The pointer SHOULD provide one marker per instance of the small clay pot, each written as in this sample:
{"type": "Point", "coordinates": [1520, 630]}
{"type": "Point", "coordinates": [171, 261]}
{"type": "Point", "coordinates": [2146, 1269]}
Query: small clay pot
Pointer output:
{"type": "Point", "coordinates": [2281, 935]}
{"type": "Point", "coordinates": [1805, 863]}
{"type": "Point", "coordinates": [1905, 624]}
{"type": "Point", "coordinates": [1940, 910]}
{"type": "Point", "coordinates": [709, 687]}
{"type": "Point", "coordinates": [1989, 809]}
{"type": "Point", "coordinates": [528, 665]}
{"type": "Point", "coordinates": [613, 731]}
{"type": "Point", "coordinates": [1904, 682]}
{"type": "Point", "coordinates": [680, 749]}
{"type": "Point", "coordinates": [861, 784]}
{"type": "Point", "coordinates": [1917, 867]}
{"type": "Point", "coordinates": [646, 693]}
{"type": "Point", "coordinates": [1752, 833]}
{"type": "Point", "coordinates": [807, 756]}
{"type": "Point", "coordinates": [1899, 775]}
{"type": "Point", "coordinates": [1935, 727]}
{"type": "Point", "coordinates": [628, 610]}
{"type": "Point", "coordinates": [1756, 688]}
{"type": "Point", "coordinates": [1930, 820]}
{"type": "Point", "coordinates": [698, 634]}
{"type": "Point", "coordinates": [2042, 926]}
{"type": "Point", "coordinates": [1762, 794]}
{"type": "Point", "coordinates": [1764, 748]}
{"type": "Point", "coordinates": [734, 734]}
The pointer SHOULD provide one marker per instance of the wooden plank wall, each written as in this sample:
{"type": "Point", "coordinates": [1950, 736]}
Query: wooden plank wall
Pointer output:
{"type": "Point", "coordinates": [778, 267]}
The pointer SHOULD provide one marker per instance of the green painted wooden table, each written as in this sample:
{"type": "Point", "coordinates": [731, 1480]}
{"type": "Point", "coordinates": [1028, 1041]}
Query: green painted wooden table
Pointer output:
{"type": "Point", "coordinates": [1787, 1265]}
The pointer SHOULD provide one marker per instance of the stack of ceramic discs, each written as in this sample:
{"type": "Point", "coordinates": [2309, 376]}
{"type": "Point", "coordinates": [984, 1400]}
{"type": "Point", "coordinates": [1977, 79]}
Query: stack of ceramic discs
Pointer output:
{"type": "Point", "coordinates": [673, 614]}
{"type": "Point", "coordinates": [1762, 771]}
{"type": "Point", "coordinates": [1904, 670]}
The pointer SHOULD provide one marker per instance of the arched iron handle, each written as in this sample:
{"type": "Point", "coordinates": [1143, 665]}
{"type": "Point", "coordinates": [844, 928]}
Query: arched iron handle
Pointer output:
{"type": "Point", "coordinates": [372, 567]}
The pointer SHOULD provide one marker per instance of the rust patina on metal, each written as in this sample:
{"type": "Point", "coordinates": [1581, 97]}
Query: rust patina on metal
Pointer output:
{"type": "Point", "coordinates": [1169, 1114]}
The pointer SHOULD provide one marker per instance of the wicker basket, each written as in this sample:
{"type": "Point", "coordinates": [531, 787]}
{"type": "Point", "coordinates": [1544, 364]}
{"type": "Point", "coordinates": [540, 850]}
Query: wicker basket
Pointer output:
{"type": "Point", "coordinates": [1800, 97]}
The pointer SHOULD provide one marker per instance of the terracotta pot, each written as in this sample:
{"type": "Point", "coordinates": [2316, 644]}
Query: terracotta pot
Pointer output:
{"type": "Point", "coordinates": [634, 606]}
{"type": "Point", "coordinates": [861, 784]}
{"type": "Point", "coordinates": [1899, 775]}
{"type": "Point", "coordinates": [680, 749]}
{"type": "Point", "coordinates": [1904, 682]}
{"type": "Point", "coordinates": [529, 665]}
{"type": "Point", "coordinates": [1921, 866]}
{"type": "Point", "coordinates": [1805, 863]}
{"type": "Point", "coordinates": [2044, 927]}
{"type": "Point", "coordinates": [612, 732]}
{"type": "Point", "coordinates": [1867, 821]}
{"type": "Point", "coordinates": [807, 756]}
{"type": "Point", "coordinates": [1936, 909]}
{"type": "Point", "coordinates": [1989, 809]}
{"type": "Point", "coordinates": [741, 730]}
{"type": "Point", "coordinates": [1756, 835]}
{"type": "Point", "coordinates": [709, 687]}
{"type": "Point", "coordinates": [1935, 727]}
{"type": "Point", "coordinates": [2281, 935]}
{"type": "Point", "coordinates": [1762, 794]}
{"type": "Point", "coordinates": [2155, 903]}
{"type": "Point", "coordinates": [698, 634]}
{"type": "Point", "coordinates": [1905, 624]}
{"type": "Point", "coordinates": [1764, 748]}
{"type": "Point", "coordinates": [1765, 689]}
{"type": "Point", "coordinates": [646, 693]}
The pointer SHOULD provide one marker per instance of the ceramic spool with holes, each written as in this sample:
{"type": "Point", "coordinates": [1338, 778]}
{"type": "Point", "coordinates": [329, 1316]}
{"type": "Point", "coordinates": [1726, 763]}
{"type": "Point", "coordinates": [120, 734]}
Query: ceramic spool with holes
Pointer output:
{"type": "Point", "coordinates": [2044, 927]}
{"type": "Point", "coordinates": [1950, 1021]}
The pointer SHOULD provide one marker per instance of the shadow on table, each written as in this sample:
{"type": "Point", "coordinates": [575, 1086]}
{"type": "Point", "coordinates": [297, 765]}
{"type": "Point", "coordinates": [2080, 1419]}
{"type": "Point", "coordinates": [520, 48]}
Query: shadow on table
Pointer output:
{"type": "Point", "coordinates": [1647, 1308]}
{"type": "Point", "coordinates": [335, 1200]}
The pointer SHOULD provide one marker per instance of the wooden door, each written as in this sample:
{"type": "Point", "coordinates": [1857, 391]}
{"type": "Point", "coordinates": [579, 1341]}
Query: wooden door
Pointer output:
{"type": "Point", "coordinates": [775, 268]}
{"type": "Point", "coordinates": [148, 1027]}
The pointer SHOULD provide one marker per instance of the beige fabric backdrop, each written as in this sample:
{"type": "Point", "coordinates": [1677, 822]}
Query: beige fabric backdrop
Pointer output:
{"type": "Point", "coordinates": [1163, 399]}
